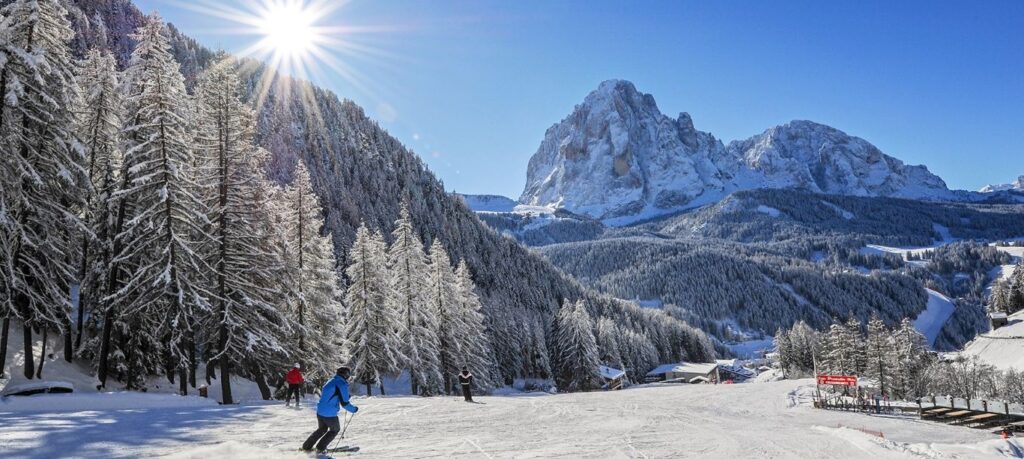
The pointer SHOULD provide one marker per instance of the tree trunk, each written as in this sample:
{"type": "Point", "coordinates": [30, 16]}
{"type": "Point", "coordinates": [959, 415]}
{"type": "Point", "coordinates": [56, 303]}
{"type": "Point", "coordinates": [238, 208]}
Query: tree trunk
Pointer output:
{"type": "Point", "coordinates": [382, 389]}
{"type": "Point", "coordinates": [261, 382]}
{"type": "Point", "coordinates": [369, 390]}
{"type": "Point", "coordinates": [192, 363]}
{"type": "Point", "coordinates": [30, 366]}
{"type": "Point", "coordinates": [225, 367]}
{"type": "Point", "coordinates": [42, 355]}
{"type": "Point", "coordinates": [4, 334]}
{"type": "Point", "coordinates": [183, 380]}
{"type": "Point", "coordinates": [82, 273]}
{"type": "Point", "coordinates": [108, 326]}
{"type": "Point", "coordinates": [68, 347]}
{"type": "Point", "coordinates": [131, 367]}
{"type": "Point", "coordinates": [210, 373]}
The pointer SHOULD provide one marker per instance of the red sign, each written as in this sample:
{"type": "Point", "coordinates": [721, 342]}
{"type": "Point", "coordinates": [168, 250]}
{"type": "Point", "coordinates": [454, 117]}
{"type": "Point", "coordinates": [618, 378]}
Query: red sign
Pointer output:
{"type": "Point", "coordinates": [838, 380]}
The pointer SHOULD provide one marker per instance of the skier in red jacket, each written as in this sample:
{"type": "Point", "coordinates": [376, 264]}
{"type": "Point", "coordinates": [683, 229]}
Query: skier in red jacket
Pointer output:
{"type": "Point", "coordinates": [295, 380]}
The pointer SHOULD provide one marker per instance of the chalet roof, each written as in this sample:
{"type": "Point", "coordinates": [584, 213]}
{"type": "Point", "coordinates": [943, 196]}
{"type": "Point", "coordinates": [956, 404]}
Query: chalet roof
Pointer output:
{"type": "Point", "coordinates": [683, 367]}
{"type": "Point", "coordinates": [611, 373]}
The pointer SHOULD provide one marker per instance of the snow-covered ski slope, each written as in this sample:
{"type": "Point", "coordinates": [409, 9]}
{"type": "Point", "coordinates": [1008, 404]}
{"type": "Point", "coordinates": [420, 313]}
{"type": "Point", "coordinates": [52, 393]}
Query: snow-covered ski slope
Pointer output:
{"type": "Point", "coordinates": [930, 321]}
{"type": "Point", "coordinates": [752, 420]}
{"type": "Point", "coordinates": [1003, 347]}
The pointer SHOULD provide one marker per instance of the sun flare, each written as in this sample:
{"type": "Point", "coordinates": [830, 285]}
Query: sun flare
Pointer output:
{"type": "Point", "coordinates": [289, 28]}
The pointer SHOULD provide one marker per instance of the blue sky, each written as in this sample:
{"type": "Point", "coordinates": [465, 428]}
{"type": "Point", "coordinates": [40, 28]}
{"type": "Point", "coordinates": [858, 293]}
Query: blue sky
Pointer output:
{"type": "Point", "coordinates": [471, 86]}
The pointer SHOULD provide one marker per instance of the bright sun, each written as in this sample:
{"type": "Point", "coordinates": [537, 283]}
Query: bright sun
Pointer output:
{"type": "Point", "coordinates": [298, 40]}
{"type": "Point", "coordinates": [289, 29]}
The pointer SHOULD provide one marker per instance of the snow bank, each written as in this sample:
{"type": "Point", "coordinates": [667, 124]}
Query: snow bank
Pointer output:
{"type": "Point", "coordinates": [930, 321]}
{"type": "Point", "coordinates": [58, 403]}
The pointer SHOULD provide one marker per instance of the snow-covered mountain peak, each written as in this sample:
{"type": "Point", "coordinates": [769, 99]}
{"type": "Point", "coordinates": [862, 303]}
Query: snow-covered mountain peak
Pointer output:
{"type": "Point", "coordinates": [616, 157]}
{"type": "Point", "coordinates": [1017, 185]}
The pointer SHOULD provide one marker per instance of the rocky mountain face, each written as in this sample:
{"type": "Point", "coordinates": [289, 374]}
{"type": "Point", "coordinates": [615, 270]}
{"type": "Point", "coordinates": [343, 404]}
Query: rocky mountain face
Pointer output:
{"type": "Point", "coordinates": [1017, 185]}
{"type": "Point", "coordinates": [619, 159]}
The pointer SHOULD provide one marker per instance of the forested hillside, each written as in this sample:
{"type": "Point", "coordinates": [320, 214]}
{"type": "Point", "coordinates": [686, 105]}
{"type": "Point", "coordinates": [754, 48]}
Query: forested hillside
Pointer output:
{"type": "Point", "coordinates": [360, 174]}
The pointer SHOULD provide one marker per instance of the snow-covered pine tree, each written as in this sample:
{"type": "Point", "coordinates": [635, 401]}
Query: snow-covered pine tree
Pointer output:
{"type": "Point", "coordinates": [784, 349]}
{"type": "Point", "coordinates": [99, 126]}
{"type": "Point", "coordinates": [538, 356]}
{"type": "Point", "coordinates": [474, 344]}
{"type": "Point", "coordinates": [839, 350]}
{"type": "Point", "coordinates": [41, 170]}
{"type": "Point", "coordinates": [879, 352]}
{"type": "Point", "coordinates": [247, 323]}
{"type": "Point", "coordinates": [407, 294]}
{"type": "Point", "coordinates": [166, 285]}
{"type": "Point", "coordinates": [804, 344]}
{"type": "Point", "coordinates": [858, 356]}
{"type": "Point", "coordinates": [372, 338]}
{"type": "Point", "coordinates": [911, 358]}
{"type": "Point", "coordinates": [608, 343]}
{"type": "Point", "coordinates": [313, 287]}
{"type": "Point", "coordinates": [638, 354]}
{"type": "Point", "coordinates": [577, 363]}
{"type": "Point", "coordinates": [444, 301]}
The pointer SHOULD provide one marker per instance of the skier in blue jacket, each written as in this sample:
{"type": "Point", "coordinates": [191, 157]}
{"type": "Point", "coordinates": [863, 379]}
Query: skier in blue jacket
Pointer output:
{"type": "Point", "coordinates": [333, 397]}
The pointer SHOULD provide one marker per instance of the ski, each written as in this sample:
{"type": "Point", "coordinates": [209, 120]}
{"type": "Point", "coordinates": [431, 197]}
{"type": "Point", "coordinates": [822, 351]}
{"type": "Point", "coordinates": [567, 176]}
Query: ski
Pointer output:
{"type": "Point", "coordinates": [342, 449]}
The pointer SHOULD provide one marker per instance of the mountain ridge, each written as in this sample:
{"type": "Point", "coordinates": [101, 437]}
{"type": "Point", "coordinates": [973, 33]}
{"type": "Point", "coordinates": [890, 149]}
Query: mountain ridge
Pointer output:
{"type": "Point", "coordinates": [618, 158]}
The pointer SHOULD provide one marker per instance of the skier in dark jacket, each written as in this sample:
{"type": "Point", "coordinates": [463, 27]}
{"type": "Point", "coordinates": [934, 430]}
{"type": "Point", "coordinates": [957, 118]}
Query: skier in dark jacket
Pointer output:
{"type": "Point", "coordinates": [333, 397]}
{"type": "Point", "coordinates": [294, 379]}
{"type": "Point", "coordinates": [466, 381]}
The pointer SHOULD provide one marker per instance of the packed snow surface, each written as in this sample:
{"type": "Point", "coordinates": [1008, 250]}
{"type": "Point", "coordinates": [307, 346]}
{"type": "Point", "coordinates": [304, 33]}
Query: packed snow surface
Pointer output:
{"type": "Point", "coordinates": [740, 420]}
{"type": "Point", "coordinates": [930, 321]}
{"type": "Point", "coordinates": [1002, 347]}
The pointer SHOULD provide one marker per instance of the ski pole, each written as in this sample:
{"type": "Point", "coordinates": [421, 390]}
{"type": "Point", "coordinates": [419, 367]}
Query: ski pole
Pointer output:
{"type": "Point", "coordinates": [344, 427]}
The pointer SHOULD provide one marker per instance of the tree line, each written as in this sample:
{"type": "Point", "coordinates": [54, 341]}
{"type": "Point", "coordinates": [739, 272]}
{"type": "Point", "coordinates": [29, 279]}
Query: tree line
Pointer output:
{"type": "Point", "coordinates": [152, 204]}
{"type": "Point", "coordinates": [895, 360]}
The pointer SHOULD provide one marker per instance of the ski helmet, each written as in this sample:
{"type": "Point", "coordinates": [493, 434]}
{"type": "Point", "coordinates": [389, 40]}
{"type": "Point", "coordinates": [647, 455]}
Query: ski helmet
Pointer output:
{"type": "Point", "coordinates": [344, 372]}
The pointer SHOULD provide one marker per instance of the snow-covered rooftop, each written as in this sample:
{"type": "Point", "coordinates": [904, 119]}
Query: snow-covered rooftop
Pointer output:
{"type": "Point", "coordinates": [683, 367]}
{"type": "Point", "coordinates": [611, 373]}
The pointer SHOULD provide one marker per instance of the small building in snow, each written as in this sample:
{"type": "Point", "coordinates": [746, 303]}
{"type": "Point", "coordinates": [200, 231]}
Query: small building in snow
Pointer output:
{"type": "Point", "coordinates": [733, 370]}
{"type": "Point", "coordinates": [998, 319]}
{"type": "Point", "coordinates": [684, 372]}
{"type": "Point", "coordinates": [614, 378]}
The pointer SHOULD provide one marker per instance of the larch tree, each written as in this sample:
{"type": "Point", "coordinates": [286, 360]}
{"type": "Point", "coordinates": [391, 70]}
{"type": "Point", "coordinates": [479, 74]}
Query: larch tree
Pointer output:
{"type": "Point", "coordinates": [41, 170]}
{"type": "Point", "coordinates": [879, 352]}
{"type": "Point", "coordinates": [910, 360]}
{"type": "Point", "coordinates": [372, 338]}
{"type": "Point", "coordinates": [407, 295]}
{"type": "Point", "coordinates": [474, 344]}
{"type": "Point", "coordinates": [166, 287]}
{"type": "Point", "coordinates": [314, 289]}
{"type": "Point", "coordinates": [99, 126]}
{"type": "Point", "coordinates": [577, 363]}
{"type": "Point", "coordinates": [608, 343]}
{"type": "Point", "coordinates": [444, 301]}
{"type": "Point", "coordinates": [248, 326]}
